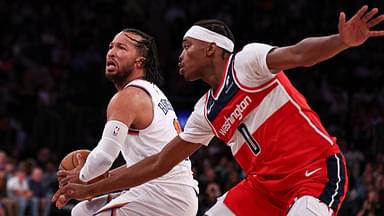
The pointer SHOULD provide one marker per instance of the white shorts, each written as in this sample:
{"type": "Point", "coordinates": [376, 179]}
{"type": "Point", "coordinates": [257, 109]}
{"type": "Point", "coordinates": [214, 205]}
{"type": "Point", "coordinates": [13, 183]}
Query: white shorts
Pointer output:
{"type": "Point", "coordinates": [304, 206]}
{"type": "Point", "coordinates": [309, 206]}
{"type": "Point", "coordinates": [149, 199]}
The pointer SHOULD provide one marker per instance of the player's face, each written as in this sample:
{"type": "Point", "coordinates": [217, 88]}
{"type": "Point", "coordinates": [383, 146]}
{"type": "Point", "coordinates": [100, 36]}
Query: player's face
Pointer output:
{"type": "Point", "coordinates": [192, 59]}
{"type": "Point", "coordinates": [121, 57]}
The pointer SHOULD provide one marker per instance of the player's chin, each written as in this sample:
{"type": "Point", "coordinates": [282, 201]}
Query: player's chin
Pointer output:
{"type": "Point", "coordinates": [188, 77]}
{"type": "Point", "coordinates": [110, 72]}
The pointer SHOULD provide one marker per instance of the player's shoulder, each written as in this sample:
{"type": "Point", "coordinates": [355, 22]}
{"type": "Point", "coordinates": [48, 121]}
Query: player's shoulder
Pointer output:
{"type": "Point", "coordinates": [130, 95]}
{"type": "Point", "coordinates": [252, 47]}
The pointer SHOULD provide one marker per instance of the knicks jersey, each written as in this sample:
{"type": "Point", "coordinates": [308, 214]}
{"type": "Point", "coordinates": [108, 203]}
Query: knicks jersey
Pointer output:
{"type": "Point", "coordinates": [267, 123]}
{"type": "Point", "coordinates": [143, 143]}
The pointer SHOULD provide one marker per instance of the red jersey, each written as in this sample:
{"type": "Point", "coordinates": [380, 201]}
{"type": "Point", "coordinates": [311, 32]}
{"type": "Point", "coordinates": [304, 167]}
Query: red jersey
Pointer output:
{"type": "Point", "coordinates": [273, 133]}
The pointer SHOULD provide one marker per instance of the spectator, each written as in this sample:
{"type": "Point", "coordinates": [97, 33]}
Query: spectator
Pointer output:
{"type": "Point", "coordinates": [18, 189]}
{"type": "Point", "coordinates": [7, 205]}
{"type": "Point", "coordinates": [35, 182]}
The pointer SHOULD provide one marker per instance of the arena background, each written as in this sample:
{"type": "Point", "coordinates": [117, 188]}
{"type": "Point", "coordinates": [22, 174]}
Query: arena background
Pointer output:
{"type": "Point", "coordinates": [54, 94]}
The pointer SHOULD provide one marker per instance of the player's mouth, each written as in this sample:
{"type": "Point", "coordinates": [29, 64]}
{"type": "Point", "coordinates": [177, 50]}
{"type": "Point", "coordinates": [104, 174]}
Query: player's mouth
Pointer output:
{"type": "Point", "coordinates": [181, 68]}
{"type": "Point", "coordinates": [111, 65]}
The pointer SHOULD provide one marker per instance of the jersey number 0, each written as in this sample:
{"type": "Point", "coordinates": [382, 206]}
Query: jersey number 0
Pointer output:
{"type": "Point", "coordinates": [253, 145]}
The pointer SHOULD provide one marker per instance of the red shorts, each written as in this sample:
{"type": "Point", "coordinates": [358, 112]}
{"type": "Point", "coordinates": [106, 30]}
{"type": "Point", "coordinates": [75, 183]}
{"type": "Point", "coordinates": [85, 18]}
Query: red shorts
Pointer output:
{"type": "Point", "coordinates": [328, 182]}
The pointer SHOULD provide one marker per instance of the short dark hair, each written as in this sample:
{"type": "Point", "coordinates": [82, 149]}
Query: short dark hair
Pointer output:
{"type": "Point", "coordinates": [147, 47]}
{"type": "Point", "coordinates": [217, 26]}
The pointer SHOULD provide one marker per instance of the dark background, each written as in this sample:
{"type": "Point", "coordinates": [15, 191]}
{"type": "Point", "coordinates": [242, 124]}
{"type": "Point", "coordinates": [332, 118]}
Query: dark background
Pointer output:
{"type": "Point", "coordinates": [53, 93]}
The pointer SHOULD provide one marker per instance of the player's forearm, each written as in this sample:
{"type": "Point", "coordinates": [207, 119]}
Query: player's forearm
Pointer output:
{"type": "Point", "coordinates": [317, 49]}
{"type": "Point", "coordinates": [117, 170]}
{"type": "Point", "coordinates": [129, 177]}
{"type": "Point", "coordinates": [147, 169]}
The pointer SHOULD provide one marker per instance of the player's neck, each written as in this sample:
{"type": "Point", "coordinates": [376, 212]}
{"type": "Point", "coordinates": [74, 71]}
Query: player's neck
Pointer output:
{"type": "Point", "coordinates": [136, 76]}
{"type": "Point", "coordinates": [216, 72]}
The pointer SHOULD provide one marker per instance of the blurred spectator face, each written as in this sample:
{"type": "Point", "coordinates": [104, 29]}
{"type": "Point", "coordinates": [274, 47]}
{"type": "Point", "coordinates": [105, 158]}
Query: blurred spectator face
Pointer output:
{"type": "Point", "coordinates": [209, 173]}
{"type": "Point", "coordinates": [37, 174]}
{"type": "Point", "coordinates": [213, 191]}
{"type": "Point", "coordinates": [373, 196]}
{"type": "Point", "coordinates": [21, 174]}
{"type": "Point", "coordinates": [44, 154]}
{"type": "Point", "coordinates": [9, 167]}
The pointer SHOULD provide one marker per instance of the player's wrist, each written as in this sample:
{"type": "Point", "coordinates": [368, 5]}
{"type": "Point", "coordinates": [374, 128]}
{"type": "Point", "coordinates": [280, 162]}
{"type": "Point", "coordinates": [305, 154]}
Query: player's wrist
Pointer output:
{"type": "Point", "coordinates": [343, 43]}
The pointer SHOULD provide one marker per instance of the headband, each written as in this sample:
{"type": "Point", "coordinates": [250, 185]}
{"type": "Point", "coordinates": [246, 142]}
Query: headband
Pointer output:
{"type": "Point", "coordinates": [209, 36]}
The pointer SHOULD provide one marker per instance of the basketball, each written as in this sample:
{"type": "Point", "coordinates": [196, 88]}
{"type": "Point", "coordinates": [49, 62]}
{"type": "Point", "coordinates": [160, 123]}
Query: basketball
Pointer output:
{"type": "Point", "coordinates": [69, 162]}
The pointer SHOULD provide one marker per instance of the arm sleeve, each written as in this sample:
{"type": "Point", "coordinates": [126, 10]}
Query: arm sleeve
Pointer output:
{"type": "Point", "coordinates": [197, 129]}
{"type": "Point", "coordinates": [102, 157]}
{"type": "Point", "coordinates": [251, 64]}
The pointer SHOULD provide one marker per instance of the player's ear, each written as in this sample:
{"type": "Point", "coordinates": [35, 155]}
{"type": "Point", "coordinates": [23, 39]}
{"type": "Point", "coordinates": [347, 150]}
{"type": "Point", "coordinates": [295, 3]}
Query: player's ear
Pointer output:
{"type": "Point", "coordinates": [211, 48]}
{"type": "Point", "coordinates": [140, 62]}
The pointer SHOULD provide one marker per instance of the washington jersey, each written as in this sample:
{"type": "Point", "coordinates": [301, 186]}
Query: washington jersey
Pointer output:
{"type": "Point", "coordinates": [143, 143]}
{"type": "Point", "coordinates": [272, 132]}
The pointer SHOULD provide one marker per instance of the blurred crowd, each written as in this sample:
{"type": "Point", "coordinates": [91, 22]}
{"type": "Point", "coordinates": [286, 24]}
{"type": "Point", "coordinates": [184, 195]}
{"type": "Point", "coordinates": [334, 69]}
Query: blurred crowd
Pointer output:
{"type": "Point", "coordinates": [53, 93]}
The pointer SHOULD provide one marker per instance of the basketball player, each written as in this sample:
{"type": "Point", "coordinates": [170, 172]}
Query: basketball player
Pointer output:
{"type": "Point", "coordinates": [293, 166]}
{"type": "Point", "coordinates": [140, 122]}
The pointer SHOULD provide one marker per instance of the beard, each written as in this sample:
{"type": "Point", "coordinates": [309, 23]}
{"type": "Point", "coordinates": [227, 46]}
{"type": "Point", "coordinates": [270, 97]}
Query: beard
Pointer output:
{"type": "Point", "coordinates": [120, 77]}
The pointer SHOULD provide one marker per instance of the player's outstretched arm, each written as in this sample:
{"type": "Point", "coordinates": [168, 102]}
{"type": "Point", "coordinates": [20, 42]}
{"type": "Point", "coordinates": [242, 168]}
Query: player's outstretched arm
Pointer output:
{"type": "Point", "coordinates": [143, 171]}
{"type": "Point", "coordinates": [313, 50]}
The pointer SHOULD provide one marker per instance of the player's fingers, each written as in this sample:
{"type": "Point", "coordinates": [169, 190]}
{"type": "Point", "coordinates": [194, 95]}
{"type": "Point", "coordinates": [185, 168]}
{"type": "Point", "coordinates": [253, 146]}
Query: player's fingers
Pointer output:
{"type": "Point", "coordinates": [80, 160]}
{"type": "Point", "coordinates": [369, 15]}
{"type": "Point", "coordinates": [62, 173]}
{"type": "Point", "coordinates": [375, 21]}
{"type": "Point", "coordinates": [61, 201]}
{"type": "Point", "coordinates": [341, 20]}
{"type": "Point", "coordinates": [376, 33]}
{"type": "Point", "coordinates": [66, 180]}
{"type": "Point", "coordinates": [56, 195]}
{"type": "Point", "coordinates": [362, 11]}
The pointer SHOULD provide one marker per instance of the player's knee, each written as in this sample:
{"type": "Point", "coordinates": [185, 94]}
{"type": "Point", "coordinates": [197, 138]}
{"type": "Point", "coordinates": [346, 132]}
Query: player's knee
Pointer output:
{"type": "Point", "coordinates": [309, 206]}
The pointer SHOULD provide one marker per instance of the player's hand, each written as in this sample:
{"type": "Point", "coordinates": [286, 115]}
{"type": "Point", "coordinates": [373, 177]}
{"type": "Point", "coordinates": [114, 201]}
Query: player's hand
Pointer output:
{"type": "Point", "coordinates": [72, 191]}
{"type": "Point", "coordinates": [356, 30]}
{"type": "Point", "coordinates": [71, 176]}
{"type": "Point", "coordinates": [60, 201]}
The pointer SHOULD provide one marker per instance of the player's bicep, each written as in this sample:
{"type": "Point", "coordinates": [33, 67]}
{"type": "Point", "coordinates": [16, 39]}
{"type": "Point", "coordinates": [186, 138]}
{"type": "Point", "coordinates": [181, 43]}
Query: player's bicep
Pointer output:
{"type": "Point", "coordinates": [129, 105]}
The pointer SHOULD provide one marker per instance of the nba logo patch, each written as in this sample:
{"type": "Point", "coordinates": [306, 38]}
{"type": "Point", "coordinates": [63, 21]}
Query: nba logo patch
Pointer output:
{"type": "Point", "coordinates": [116, 131]}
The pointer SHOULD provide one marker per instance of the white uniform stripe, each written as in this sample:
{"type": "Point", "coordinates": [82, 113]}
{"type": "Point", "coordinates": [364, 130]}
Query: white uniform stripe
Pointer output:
{"type": "Point", "coordinates": [254, 90]}
{"type": "Point", "coordinates": [218, 92]}
{"type": "Point", "coordinates": [338, 181]}
{"type": "Point", "coordinates": [305, 116]}
{"type": "Point", "coordinates": [270, 104]}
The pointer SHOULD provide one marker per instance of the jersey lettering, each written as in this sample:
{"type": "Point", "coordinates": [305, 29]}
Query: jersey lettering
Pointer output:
{"type": "Point", "coordinates": [165, 105]}
{"type": "Point", "coordinates": [237, 114]}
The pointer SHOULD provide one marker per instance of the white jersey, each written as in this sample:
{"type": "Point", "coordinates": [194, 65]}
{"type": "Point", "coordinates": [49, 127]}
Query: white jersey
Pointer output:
{"type": "Point", "coordinates": [140, 144]}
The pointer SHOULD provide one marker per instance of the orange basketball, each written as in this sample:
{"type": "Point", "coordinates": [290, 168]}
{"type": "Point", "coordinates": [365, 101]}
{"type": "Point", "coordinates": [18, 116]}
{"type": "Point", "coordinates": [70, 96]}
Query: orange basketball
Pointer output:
{"type": "Point", "coordinates": [69, 162]}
